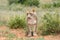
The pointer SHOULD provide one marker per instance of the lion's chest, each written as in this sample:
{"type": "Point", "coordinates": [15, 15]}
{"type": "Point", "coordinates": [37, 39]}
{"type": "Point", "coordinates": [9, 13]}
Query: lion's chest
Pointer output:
{"type": "Point", "coordinates": [31, 19]}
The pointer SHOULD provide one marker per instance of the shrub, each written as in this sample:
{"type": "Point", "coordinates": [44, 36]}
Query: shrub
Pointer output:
{"type": "Point", "coordinates": [21, 1]}
{"type": "Point", "coordinates": [32, 2]}
{"type": "Point", "coordinates": [56, 4]}
{"type": "Point", "coordinates": [50, 24]}
{"type": "Point", "coordinates": [16, 1]}
{"type": "Point", "coordinates": [17, 22]}
{"type": "Point", "coordinates": [25, 2]}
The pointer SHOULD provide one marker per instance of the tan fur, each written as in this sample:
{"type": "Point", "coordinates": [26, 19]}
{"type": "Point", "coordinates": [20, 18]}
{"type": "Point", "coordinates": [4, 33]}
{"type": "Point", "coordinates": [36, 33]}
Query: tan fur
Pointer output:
{"type": "Point", "coordinates": [31, 21]}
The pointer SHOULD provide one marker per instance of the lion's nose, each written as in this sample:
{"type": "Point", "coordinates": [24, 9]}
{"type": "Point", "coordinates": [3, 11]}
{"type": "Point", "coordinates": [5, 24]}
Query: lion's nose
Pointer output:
{"type": "Point", "coordinates": [29, 18]}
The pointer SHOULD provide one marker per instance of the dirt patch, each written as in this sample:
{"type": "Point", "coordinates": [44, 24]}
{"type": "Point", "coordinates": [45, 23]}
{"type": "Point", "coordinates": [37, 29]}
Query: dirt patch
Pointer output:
{"type": "Point", "coordinates": [3, 27]}
{"type": "Point", "coordinates": [20, 33]}
{"type": "Point", "coordinates": [51, 37]}
{"type": "Point", "coordinates": [2, 38]}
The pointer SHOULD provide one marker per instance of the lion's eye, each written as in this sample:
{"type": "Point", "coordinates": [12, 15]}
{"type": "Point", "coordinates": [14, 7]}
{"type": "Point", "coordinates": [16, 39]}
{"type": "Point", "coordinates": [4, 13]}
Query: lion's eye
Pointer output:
{"type": "Point", "coordinates": [27, 13]}
{"type": "Point", "coordinates": [31, 14]}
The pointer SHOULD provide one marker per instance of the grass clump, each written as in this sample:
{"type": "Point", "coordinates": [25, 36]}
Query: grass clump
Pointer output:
{"type": "Point", "coordinates": [50, 24]}
{"type": "Point", "coordinates": [49, 5]}
{"type": "Point", "coordinates": [54, 3]}
{"type": "Point", "coordinates": [17, 22]}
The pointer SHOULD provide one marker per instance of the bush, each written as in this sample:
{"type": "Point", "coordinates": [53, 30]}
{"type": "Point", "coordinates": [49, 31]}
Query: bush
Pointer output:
{"type": "Point", "coordinates": [16, 1]}
{"type": "Point", "coordinates": [50, 24]}
{"type": "Point", "coordinates": [25, 2]}
{"type": "Point", "coordinates": [32, 2]}
{"type": "Point", "coordinates": [17, 22]}
{"type": "Point", "coordinates": [56, 4]}
{"type": "Point", "coordinates": [21, 1]}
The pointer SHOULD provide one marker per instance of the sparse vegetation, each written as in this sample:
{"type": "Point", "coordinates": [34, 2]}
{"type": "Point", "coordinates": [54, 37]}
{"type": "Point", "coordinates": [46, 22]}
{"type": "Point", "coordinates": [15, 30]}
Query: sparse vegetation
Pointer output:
{"type": "Point", "coordinates": [50, 23]}
{"type": "Point", "coordinates": [17, 22]}
{"type": "Point", "coordinates": [48, 17]}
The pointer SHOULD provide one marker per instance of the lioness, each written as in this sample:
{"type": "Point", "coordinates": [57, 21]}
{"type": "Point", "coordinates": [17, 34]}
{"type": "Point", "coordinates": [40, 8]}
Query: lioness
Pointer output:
{"type": "Point", "coordinates": [32, 23]}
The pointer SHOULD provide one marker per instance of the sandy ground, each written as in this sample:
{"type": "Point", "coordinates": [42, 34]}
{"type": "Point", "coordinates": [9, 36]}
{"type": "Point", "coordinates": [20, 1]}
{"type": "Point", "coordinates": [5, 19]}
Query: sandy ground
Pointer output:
{"type": "Point", "coordinates": [21, 34]}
